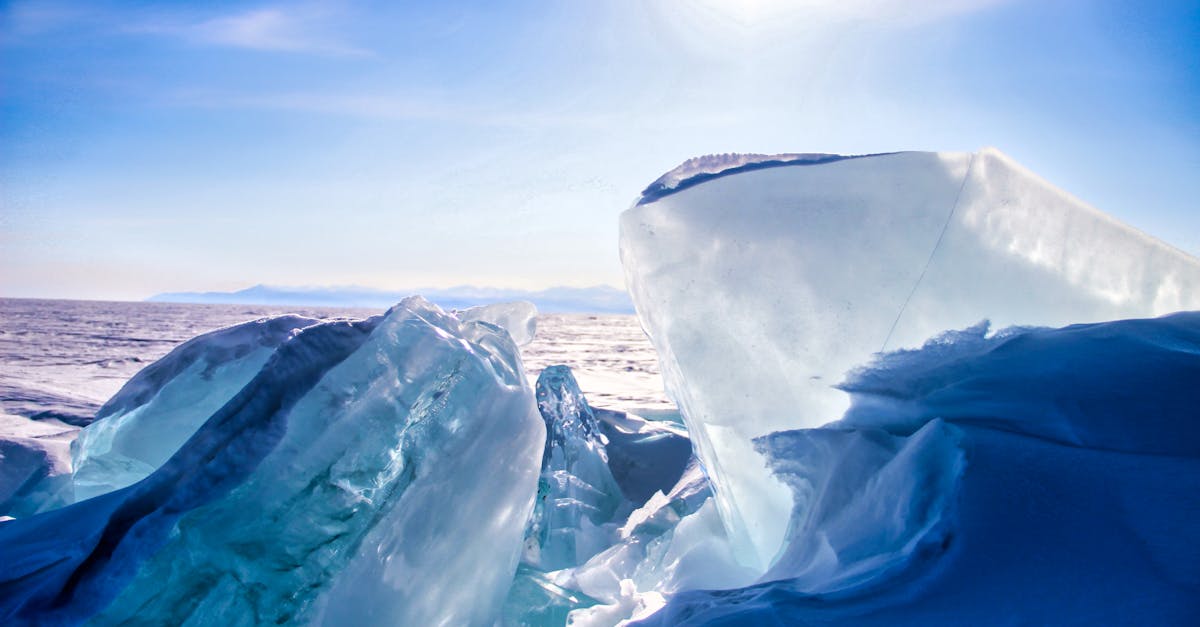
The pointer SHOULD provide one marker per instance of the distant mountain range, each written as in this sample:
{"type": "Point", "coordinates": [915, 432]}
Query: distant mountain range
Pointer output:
{"type": "Point", "coordinates": [597, 299]}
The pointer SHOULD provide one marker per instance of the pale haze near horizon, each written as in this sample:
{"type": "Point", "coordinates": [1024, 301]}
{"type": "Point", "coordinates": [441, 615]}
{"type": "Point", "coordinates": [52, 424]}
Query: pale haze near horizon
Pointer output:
{"type": "Point", "coordinates": [151, 149]}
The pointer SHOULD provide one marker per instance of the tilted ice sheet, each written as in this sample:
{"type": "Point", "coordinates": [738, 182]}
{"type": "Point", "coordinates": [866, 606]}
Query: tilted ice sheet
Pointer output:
{"type": "Point", "coordinates": [761, 288]}
{"type": "Point", "coordinates": [373, 472]}
{"type": "Point", "coordinates": [158, 409]}
{"type": "Point", "coordinates": [153, 414]}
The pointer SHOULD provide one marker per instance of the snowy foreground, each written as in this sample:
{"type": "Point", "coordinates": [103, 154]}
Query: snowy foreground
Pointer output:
{"type": "Point", "coordinates": [859, 447]}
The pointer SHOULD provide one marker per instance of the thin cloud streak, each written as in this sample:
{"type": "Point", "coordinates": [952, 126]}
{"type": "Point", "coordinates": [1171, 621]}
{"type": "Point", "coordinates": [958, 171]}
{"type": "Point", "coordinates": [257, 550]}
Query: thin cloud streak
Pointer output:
{"type": "Point", "coordinates": [406, 108]}
{"type": "Point", "coordinates": [267, 29]}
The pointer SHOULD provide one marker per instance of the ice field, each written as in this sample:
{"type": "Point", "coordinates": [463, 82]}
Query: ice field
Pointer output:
{"type": "Point", "coordinates": [912, 388]}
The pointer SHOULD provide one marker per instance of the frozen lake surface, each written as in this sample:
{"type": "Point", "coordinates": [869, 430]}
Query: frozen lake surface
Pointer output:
{"type": "Point", "coordinates": [63, 359]}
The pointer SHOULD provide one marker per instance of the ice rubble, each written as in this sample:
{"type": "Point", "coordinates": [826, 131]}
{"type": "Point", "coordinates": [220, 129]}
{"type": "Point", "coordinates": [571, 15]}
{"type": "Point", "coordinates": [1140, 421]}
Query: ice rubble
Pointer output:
{"type": "Point", "coordinates": [585, 544]}
{"type": "Point", "coordinates": [1033, 476]}
{"type": "Point", "coordinates": [761, 286]}
{"type": "Point", "coordinates": [318, 493]}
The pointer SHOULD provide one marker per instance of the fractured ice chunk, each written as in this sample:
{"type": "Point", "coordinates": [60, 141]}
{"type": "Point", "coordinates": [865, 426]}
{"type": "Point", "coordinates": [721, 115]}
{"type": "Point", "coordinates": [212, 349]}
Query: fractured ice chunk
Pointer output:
{"type": "Point", "coordinates": [675, 542]}
{"type": "Point", "coordinates": [372, 472]}
{"type": "Point", "coordinates": [519, 318]}
{"type": "Point", "coordinates": [594, 456]}
{"type": "Point", "coordinates": [761, 287]}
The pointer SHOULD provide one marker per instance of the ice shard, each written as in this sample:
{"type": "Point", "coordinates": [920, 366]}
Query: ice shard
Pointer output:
{"type": "Point", "coordinates": [762, 280]}
{"type": "Point", "coordinates": [577, 494]}
{"type": "Point", "coordinates": [372, 472]}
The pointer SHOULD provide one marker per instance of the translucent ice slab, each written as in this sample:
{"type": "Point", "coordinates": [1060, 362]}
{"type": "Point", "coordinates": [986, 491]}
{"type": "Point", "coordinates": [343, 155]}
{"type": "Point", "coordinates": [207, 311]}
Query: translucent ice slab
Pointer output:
{"type": "Point", "coordinates": [762, 281]}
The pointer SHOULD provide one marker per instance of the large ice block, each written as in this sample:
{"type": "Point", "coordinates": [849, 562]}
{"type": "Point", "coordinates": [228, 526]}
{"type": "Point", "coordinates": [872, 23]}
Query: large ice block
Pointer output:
{"type": "Point", "coordinates": [761, 281]}
{"type": "Point", "coordinates": [372, 472]}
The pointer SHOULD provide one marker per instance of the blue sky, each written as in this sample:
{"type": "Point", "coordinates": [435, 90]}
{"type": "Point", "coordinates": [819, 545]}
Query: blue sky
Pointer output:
{"type": "Point", "coordinates": [149, 147]}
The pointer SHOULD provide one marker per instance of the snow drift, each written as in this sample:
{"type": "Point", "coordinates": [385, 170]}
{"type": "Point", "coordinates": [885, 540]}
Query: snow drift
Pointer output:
{"type": "Point", "coordinates": [1034, 476]}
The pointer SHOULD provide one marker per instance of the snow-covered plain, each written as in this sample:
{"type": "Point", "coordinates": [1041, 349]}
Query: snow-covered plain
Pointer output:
{"type": "Point", "coordinates": [65, 358]}
{"type": "Point", "coordinates": [869, 449]}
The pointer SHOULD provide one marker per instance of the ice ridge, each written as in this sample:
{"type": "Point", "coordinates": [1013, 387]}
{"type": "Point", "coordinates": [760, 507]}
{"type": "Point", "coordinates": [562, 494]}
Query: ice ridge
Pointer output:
{"type": "Point", "coordinates": [697, 170]}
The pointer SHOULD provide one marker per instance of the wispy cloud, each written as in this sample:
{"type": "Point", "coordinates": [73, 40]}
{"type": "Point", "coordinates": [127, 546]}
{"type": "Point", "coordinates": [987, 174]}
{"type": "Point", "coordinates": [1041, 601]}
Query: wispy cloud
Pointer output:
{"type": "Point", "coordinates": [293, 29]}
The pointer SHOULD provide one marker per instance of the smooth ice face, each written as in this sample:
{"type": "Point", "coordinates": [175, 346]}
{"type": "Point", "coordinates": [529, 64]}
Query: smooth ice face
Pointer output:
{"type": "Point", "coordinates": [519, 318]}
{"type": "Point", "coordinates": [163, 405]}
{"type": "Point", "coordinates": [373, 472]}
{"type": "Point", "coordinates": [760, 288]}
